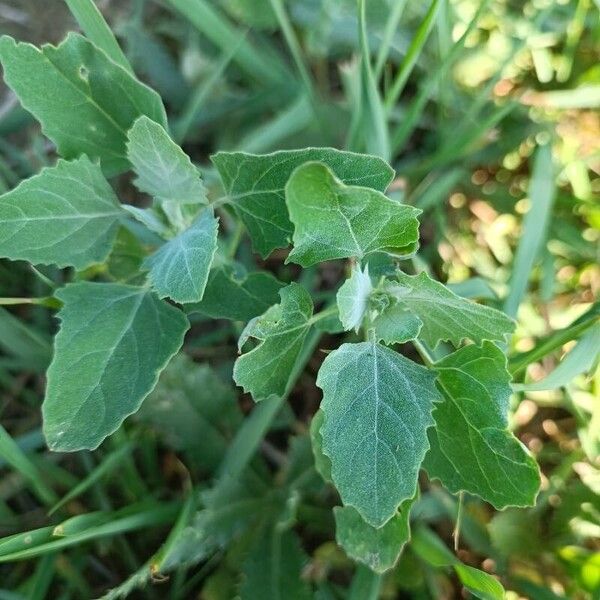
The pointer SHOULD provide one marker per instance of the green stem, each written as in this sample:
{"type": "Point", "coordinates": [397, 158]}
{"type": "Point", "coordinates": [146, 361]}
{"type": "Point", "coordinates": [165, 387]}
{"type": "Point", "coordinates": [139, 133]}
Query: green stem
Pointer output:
{"type": "Point", "coordinates": [48, 301]}
{"type": "Point", "coordinates": [236, 238]}
{"type": "Point", "coordinates": [423, 352]}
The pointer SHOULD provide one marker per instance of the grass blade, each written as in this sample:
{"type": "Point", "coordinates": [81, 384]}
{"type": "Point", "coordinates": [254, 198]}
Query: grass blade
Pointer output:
{"type": "Point", "coordinates": [97, 30]}
{"type": "Point", "coordinates": [412, 55]}
{"type": "Point", "coordinates": [413, 116]}
{"type": "Point", "coordinates": [388, 35]}
{"type": "Point", "coordinates": [111, 462]}
{"type": "Point", "coordinates": [535, 227]}
{"type": "Point", "coordinates": [16, 458]}
{"type": "Point", "coordinates": [378, 141]}
{"type": "Point", "coordinates": [115, 525]}
{"type": "Point", "coordinates": [208, 21]}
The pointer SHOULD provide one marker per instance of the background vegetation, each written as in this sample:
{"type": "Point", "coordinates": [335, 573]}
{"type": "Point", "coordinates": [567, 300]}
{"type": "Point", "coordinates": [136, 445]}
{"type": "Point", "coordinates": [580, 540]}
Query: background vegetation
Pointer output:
{"type": "Point", "coordinates": [488, 111]}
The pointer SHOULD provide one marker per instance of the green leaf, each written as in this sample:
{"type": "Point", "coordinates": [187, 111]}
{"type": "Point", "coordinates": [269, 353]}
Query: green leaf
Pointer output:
{"type": "Point", "coordinates": [377, 407]}
{"type": "Point", "coordinates": [396, 325]}
{"type": "Point", "coordinates": [480, 584]}
{"type": "Point", "coordinates": [66, 215]}
{"type": "Point", "coordinates": [334, 220]}
{"type": "Point", "coordinates": [353, 297]}
{"type": "Point", "coordinates": [164, 171]}
{"type": "Point", "coordinates": [179, 269]}
{"type": "Point", "coordinates": [113, 341]}
{"type": "Point", "coordinates": [446, 316]}
{"type": "Point", "coordinates": [322, 462]}
{"type": "Point", "coordinates": [152, 218]}
{"type": "Point", "coordinates": [273, 569]}
{"type": "Point", "coordinates": [265, 370]}
{"type": "Point", "coordinates": [471, 447]}
{"type": "Point", "coordinates": [85, 102]}
{"type": "Point", "coordinates": [125, 260]}
{"type": "Point", "coordinates": [194, 410]}
{"type": "Point", "coordinates": [429, 547]}
{"type": "Point", "coordinates": [380, 548]}
{"type": "Point", "coordinates": [255, 185]}
{"type": "Point", "coordinates": [233, 294]}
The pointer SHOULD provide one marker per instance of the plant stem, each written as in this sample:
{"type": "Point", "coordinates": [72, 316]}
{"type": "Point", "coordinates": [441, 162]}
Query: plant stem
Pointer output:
{"type": "Point", "coordinates": [423, 352]}
{"type": "Point", "coordinates": [456, 532]}
{"type": "Point", "coordinates": [48, 301]}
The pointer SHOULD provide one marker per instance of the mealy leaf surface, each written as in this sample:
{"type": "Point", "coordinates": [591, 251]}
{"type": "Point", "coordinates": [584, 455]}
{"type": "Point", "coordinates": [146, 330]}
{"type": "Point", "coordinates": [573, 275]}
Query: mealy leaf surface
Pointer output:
{"type": "Point", "coordinates": [377, 407]}
{"type": "Point", "coordinates": [255, 185]}
{"type": "Point", "coordinates": [322, 462]}
{"type": "Point", "coordinates": [85, 102]}
{"type": "Point", "coordinates": [380, 548]}
{"type": "Point", "coordinates": [472, 449]}
{"type": "Point", "coordinates": [239, 296]}
{"type": "Point", "coordinates": [353, 297]}
{"type": "Point", "coordinates": [112, 344]}
{"type": "Point", "coordinates": [66, 215]}
{"type": "Point", "coordinates": [179, 269]}
{"type": "Point", "coordinates": [446, 316]}
{"type": "Point", "coordinates": [334, 220]}
{"type": "Point", "coordinates": [280, 331]}
{"type": "Point", "coordinates": [164, 171]}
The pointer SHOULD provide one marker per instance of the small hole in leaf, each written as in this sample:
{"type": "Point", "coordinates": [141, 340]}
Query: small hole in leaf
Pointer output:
{"type": "Point", "coordinates": [83, 73]}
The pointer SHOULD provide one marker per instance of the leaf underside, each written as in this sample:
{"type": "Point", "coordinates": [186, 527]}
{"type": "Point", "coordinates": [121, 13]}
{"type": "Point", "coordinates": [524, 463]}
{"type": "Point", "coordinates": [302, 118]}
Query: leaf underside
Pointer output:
{"type": "Point", "coordinates": [179, 269]}
{"type": "Point", "coordinates": [378, 548]}
{"type": "Point", "coordinates": [163, 170]}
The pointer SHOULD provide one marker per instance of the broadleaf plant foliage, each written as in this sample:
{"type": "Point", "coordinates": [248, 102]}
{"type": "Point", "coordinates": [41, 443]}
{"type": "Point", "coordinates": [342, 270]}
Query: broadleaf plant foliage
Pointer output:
{"type": "Point", "coordinates": [383, 416]}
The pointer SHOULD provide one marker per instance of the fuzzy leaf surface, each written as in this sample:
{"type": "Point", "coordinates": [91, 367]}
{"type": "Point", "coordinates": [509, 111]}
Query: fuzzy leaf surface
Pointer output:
{"type": "Point", "coordinates": [280, 331]}
{"type": "Point", "coordinates": [85, 102]}
{"type": "Point", "coordinates": [66, 215]}
{"type": "Point", "coordinates": [396, 325]}
{"type": "Point", "coordinates": [179, 269]}
{"type": "Point", "coordinates": [377, 407]}
{"type": "Point", "coordinates": [112, 344]}
{"type": "Point", "coordinates": [379, 549]}
{"type": "Point", "coordinates": [255, 185]}
{"type": "Point", "coordinates": [334, 220]}
{"type": "Point", "coordinates": [444, 315]}
{"type": "Point", "coordinates": [165, 172]}
{"type": "Point", "coordinates": [471, 447]}
{"type": "Point", "coordinates": [353, 297]}
{"type": "Point", "coordinates": [239, 296]}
